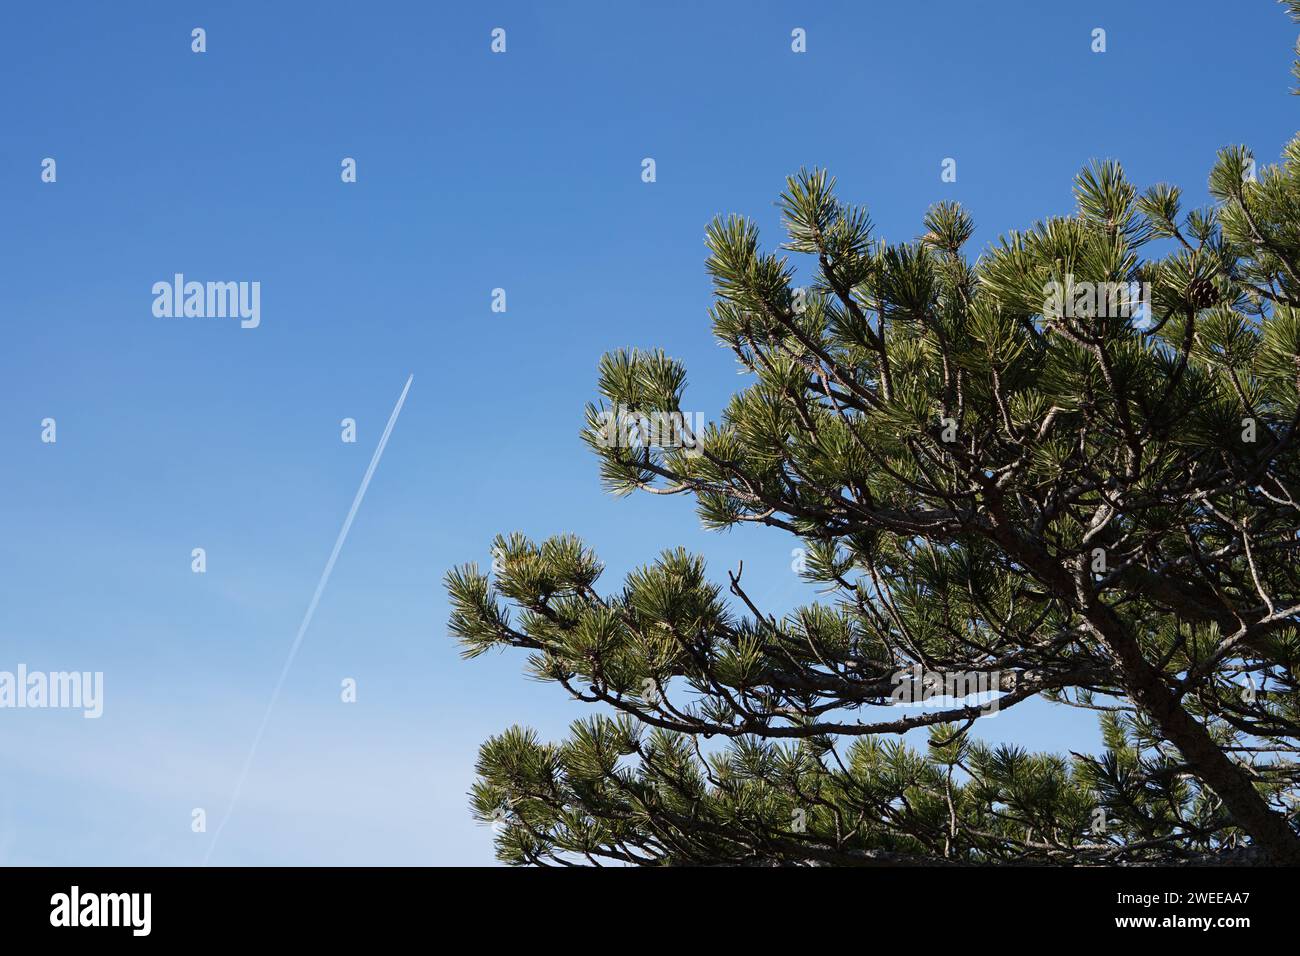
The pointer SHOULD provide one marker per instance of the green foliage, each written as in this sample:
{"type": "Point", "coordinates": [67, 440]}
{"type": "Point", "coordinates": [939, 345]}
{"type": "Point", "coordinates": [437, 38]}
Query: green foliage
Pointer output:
{"type": "Point", "coordinates": [995, 469]}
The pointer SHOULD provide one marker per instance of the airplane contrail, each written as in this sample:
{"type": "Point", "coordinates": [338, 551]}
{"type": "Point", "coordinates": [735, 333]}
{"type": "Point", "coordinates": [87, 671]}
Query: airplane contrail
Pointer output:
{"type": "Point", "coordinates": [306, 618]}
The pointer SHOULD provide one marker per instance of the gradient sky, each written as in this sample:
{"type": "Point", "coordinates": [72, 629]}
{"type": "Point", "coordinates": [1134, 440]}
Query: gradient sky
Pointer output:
{"type": "Point", "coordinates": [476, 171]}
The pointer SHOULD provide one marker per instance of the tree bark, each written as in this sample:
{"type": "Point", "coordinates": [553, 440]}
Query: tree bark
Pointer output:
{"type": "Point", "coordinates": [1226, 778]}
{"type": "Point", "coordinates": [1146, 685]}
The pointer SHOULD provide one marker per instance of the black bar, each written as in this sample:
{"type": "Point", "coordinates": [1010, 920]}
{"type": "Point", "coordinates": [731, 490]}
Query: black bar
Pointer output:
{"type": "Point", "coordinates": [946, 907]}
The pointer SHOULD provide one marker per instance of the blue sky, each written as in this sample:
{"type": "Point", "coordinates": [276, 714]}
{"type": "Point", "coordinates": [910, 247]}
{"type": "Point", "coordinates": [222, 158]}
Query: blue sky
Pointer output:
{"type": "Point", "coordinates": [475, 171]}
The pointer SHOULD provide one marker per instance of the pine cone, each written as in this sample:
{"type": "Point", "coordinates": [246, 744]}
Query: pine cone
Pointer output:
{"type": "Point", "coordinates": [1201, 293]}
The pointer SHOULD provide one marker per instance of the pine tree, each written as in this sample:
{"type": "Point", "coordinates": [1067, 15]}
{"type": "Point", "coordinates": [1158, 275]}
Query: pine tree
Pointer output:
{"type": "Point", "coordinates": [999, 468]}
